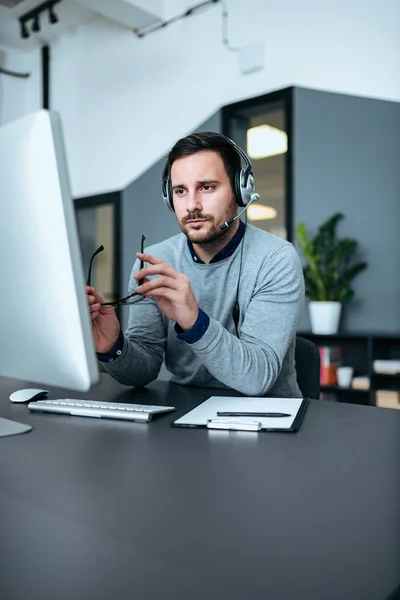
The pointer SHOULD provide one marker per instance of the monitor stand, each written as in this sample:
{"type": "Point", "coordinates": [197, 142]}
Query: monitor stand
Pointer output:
{"type": "Point", "coordinates": [8, 427]}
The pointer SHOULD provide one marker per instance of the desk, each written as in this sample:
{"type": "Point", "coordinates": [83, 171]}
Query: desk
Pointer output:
{"type": "Point", "coordinates": [97, 509]}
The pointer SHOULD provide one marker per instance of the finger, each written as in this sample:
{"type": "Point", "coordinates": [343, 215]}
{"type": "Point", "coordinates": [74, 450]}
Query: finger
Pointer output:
{"type": "Point", "coordinates": [94, 315]}
{"type": "Point", "coordinates": [140, 280]}
{"type": "Point", "coordinates": [96, 296]}
{"type": "Point", "coordinates": [92, 300]}
{"type": "Point", "coordinates": [163, 292]}
{"type": "Point", "coordinates": [149, 258]}
{"type": "Point", "coordinates": [94, 307]}
{"type": "Point", "coordinates": [159, 269]}
{"type": "Point", "coordinates": [160, 282]}
{"type": "Point", "coordinates": [91, 293]}
{"type": "Point", "coordinates": [152, 260]}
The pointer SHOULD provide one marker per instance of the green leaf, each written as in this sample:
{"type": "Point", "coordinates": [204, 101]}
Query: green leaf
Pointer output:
{"type": "Point", "coordinates": [330, 267]}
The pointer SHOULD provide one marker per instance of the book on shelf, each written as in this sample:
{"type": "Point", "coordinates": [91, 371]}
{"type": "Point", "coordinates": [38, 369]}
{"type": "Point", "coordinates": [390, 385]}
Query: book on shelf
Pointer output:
{"type": "Point", "coordinates": [387, 399]}
{"type": "Point", "coordinates": [330, 360]}
{"type": "Point", "coordinates": [387, 367]}
{"type": "Point", "coordinates": [361, 382]}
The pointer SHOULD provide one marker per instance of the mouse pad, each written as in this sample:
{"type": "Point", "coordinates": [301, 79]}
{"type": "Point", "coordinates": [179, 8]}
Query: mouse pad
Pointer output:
{"type": "Point", "coordinates": [12, 427]}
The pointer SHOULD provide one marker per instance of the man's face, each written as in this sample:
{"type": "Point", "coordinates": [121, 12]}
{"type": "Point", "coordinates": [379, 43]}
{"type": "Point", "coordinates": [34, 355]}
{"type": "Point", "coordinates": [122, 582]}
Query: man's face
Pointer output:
{"type": "Point", "coordinates": [202, 195]}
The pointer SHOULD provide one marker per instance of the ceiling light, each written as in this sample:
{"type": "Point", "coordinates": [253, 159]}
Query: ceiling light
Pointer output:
{"type": "Point", "coordinates": [264, 141]}
{"type": "Point", "coordinates": [24, 31]}
{"type": "Point", "coordinates": [53, 18]}
{"type": "Point", "coordinates": [36, 24]}
{"type": "Point", "coordinates": [33, 17]}
{"type": "Point", "coordinates": [259, 212]}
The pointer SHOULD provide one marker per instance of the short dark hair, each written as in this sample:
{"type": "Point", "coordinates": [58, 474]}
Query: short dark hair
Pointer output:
{"type": "Point", "coordinates": [210, 142]}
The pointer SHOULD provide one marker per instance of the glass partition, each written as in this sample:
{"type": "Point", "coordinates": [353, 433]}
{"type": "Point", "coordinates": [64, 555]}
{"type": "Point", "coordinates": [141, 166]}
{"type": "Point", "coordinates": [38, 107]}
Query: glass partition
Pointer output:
{"type": "Point", "coordinates": [261, 126]}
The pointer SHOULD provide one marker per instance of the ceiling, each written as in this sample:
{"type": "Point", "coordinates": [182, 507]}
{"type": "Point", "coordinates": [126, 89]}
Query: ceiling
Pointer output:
{"type": "Point", "coordinates": [72, 14]}
{"type": "Point", "coordinates": [10, 3]}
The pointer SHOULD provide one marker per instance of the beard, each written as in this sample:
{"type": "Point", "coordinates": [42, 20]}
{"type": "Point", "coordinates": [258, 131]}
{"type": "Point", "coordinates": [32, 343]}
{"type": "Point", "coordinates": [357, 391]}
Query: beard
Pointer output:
{"type": "Point", "coordinates": [209, 231]}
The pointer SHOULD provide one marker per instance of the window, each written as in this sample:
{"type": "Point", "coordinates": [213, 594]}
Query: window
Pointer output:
{"type": "Point", "coordinates": [98, 222]}
{"type": "Point", "coordinates": [261, 126]}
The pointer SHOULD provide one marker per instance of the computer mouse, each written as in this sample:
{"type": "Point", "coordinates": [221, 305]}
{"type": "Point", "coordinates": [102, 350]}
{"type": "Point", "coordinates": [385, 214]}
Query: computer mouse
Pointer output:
{"type": "Point", "coordinates": [28, 394]}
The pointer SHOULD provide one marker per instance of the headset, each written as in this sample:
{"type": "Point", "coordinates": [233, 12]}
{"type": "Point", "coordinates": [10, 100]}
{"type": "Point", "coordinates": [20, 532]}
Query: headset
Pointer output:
{"type": "Point", "coordinates": [243, 182]}
{"type": "Point", "coordinates": [244, 192]}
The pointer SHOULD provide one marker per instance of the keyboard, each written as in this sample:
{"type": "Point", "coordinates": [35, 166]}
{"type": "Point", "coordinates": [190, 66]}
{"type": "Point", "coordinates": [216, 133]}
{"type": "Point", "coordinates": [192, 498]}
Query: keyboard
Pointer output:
{"type": "Point", "coordinates": [106, 410]}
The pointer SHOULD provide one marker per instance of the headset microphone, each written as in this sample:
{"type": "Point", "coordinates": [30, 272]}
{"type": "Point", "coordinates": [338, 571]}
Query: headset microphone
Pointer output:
{"type": "Point", "coordinates": [227, 224]}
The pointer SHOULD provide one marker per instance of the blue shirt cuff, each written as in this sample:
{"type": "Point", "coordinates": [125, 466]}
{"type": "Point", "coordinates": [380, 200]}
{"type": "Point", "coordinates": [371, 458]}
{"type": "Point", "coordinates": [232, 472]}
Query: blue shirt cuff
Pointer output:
{"type": "Point", "coordinates": [197, 331]}
{"type": "Point", "coordinates": [114, 352]}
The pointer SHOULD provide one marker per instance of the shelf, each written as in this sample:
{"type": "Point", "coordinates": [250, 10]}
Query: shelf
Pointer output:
{"type": "Point", "coordinates": [388, 376]}
{"type": "Point", "coordinates": [350, 335]}
{"type": "Point", "coordinates": [334, 337]}
{"type": "Point", "coordinates": [386, 382]}
{"type": "Point", "coordinates": [336, 388]}
{"type": "Point", "coordinates": [360, 349]}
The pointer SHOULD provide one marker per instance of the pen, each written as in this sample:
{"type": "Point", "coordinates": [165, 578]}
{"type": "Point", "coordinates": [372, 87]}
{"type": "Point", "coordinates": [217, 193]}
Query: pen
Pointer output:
{"type": "Point", "coordinates": [252, 414]}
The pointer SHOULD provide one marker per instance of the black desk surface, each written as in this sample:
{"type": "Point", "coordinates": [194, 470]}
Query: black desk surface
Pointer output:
{"type": "Point", "coordinates": [101, 509]}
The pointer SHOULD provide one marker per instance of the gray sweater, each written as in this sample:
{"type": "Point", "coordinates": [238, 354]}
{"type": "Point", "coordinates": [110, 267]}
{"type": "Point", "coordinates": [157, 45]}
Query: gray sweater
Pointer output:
{"type": "Point", "coordinates": [261, 360]}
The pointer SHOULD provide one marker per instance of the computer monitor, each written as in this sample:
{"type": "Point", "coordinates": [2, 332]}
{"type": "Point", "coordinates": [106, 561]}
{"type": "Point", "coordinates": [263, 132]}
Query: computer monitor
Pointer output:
{"type": "Point", "coordinates": [45, 328]}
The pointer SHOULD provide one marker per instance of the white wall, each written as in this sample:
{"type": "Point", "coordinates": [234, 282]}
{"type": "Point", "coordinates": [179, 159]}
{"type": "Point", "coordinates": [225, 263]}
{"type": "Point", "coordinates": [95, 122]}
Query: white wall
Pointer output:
{"type": "Point", "coordinates": [19, 97]}
{"type": "Point", "coordinates": [124, 100]}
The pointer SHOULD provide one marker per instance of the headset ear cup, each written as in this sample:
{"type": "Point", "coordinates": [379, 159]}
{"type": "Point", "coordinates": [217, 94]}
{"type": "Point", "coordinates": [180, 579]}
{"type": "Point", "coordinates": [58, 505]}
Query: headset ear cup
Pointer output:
{"type": "Point", "coordinates": [167, 189]}
{"type": "Point", "coordinates": [251, 187]}
{"type": "Point", "coordinates": [167, 198]}
{"type": "Point", "coordinates": [238, 187]}
{"type": "Point", "coordinates": [246, 187]}
{"type": "Point", "coordinates": [170, 195]}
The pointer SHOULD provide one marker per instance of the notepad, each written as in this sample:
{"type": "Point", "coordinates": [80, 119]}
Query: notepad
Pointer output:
{"type": "Point", "coordinates": [206, 414]}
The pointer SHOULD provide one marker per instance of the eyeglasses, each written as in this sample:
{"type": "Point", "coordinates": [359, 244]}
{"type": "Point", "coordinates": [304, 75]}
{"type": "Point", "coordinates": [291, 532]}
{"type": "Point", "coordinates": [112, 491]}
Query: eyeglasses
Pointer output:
{"type": "Point", "coordinates": [132, 298]}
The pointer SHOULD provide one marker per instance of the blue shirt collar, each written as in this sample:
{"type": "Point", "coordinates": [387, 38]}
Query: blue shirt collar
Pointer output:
{"type": "Point", "coordinates": [226, 251]}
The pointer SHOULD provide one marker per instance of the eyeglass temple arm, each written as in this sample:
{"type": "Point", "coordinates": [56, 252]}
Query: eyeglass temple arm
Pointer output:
{"type": "Point", "coordinates": [120, 300]}
{"type": "Point", "coordinates": [99, 249]}
{"type": "Point", "coordinates": [142, 251]}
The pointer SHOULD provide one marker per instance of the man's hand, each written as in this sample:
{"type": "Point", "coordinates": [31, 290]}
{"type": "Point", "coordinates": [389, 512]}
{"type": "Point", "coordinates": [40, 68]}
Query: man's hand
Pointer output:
{"type": "Point", "coordinates": [171, 290]}
{"type": "Point", "coordinates": [105, 325]}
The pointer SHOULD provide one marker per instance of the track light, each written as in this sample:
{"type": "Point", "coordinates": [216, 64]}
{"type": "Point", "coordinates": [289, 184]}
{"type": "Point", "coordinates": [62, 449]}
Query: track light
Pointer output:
{"type": "Point", "coordinates": [24, 32]}
{"type": "Point", "coordinates": [53, 18]}
{"type": "Point", "coordinates": [36, 24]}
{"type": "Point", "coordinates": [33, 16]}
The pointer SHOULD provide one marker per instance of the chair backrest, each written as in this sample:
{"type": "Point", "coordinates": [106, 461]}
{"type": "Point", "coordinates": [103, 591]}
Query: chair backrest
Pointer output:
{"type": "Point", "coordinates": [307, 367]}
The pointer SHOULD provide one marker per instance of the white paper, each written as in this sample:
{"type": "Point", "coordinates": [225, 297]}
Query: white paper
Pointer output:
{"type": "Point", "coordinates": [208, 410]}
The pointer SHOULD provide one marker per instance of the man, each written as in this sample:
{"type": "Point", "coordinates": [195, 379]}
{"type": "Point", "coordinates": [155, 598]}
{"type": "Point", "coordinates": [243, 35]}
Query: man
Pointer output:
{"type": "Point", "coordinates": [221, 302]}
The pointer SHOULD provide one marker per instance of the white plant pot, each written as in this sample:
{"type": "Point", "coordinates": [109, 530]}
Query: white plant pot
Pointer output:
{"type": "Point", "coordinates": [324, 316]}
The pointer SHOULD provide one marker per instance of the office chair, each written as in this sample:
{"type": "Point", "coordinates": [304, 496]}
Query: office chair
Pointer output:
{"type": "Point", "coordinates": [307, 367]}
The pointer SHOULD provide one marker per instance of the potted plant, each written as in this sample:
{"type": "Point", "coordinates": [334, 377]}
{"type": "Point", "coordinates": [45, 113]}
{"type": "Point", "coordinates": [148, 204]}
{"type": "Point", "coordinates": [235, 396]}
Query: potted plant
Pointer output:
{"type": "Point", "coordinates": [328, 273]}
